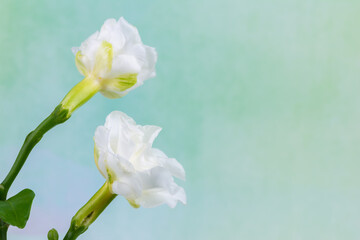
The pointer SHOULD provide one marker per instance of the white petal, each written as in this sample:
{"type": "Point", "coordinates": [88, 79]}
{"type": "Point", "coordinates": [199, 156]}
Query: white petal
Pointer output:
{"type": "Point", "coordinates": [100, 160]}
{"type": "Point", "coordinates": [118, 165]}
{"type": "Point", "coordinates": [130, 32]}
{"type": "Point", "coordinates": [175, 168]}
{"type": "Point", "coordinates": [171, 164]}
{"type": "Point", "coordinates": [101, 137]}
{"type": "Point", "coordinates": [123, 64]}
{"type": "Point", "coordinates": [155, 197]}
{"type": "Point", "coordinates": [150, 133]}
{"type": "Point", "coordinates": [112, 33]}
{"type": "Point", "coordinates": [148, 70]}
{"type": "Point", "coordinates": [89, 49]}
{"type": "Point", "coordinates": [180, 195]}
{"type": "Point", "coordinates": [159, 188]}
{"type": "Point", "coordinates": [128, 186]}
{"type": "Point", "coordinates": [121, 127]}
{"type": "Point", "coordinates": [108, 28]}
{"type": "Point", "coordinates": [156, 177]}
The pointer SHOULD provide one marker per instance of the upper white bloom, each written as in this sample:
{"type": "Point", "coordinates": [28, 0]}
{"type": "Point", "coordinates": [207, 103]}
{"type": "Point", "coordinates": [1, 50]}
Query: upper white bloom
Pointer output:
{"type": "Point", "coordinates": [142, 174]}
{"type": "Point", "coordinates": [116, 58]}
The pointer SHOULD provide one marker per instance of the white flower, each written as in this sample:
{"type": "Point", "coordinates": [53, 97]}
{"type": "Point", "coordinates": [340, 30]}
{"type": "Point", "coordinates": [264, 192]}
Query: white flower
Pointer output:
{"type": "Point", "coordinates": [116, 58]}
{"type": "Point", "coordinates": [142, 174]}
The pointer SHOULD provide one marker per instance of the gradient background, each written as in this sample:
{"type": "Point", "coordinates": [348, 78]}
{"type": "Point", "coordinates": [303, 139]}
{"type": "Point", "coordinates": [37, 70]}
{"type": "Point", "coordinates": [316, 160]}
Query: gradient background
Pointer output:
{"type": "Point", "coordinates": [259, 100]}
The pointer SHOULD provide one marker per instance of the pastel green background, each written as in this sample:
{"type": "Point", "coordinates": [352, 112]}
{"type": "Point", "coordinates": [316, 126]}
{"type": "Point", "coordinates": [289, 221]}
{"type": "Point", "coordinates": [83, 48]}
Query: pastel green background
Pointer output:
{"type": "Point", "coordinates": [259, 100]}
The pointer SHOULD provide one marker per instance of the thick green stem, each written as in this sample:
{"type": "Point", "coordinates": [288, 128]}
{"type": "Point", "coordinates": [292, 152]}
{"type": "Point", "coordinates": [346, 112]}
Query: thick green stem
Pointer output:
{"type": "Point", "coordinates": [89, 212]}
{"type": "Point", "coordinates": [77, 96]}
{"type": "Point", "coordinates": [59, 115]}
{"type": "Point", "coordinates": [3, 230]}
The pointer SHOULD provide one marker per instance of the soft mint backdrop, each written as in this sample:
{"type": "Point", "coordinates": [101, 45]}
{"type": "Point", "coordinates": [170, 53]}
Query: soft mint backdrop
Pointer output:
{"type": "Point", "coordinates": [259, 100]}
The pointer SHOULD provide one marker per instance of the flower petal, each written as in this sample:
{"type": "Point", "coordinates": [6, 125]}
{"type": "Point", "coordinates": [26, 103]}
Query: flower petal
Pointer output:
{"type": "Point", "coordinates": [122, 128]}
{"type": "Point", "coordinates": [150, 133]}
{"type": "Point", "coordinates": [159, 188]}
{"type": "Point", "coordinates": [130, 32]}
{"type": "Point", "coordinates": [128, 186]}
{"type": "Point", "coordinates": [171, 164]}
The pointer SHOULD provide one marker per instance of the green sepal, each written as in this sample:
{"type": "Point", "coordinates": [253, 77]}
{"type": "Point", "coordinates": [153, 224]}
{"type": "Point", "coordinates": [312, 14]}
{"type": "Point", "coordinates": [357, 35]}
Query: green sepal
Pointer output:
{"type": "Point", "coordinates": [115, 87]}
{"type": "Point", "coordinates": [79, 63]}
{"type": "Point", "coordinates": [133, 203]}
{"type": "Point", "coordinates": [53, 234]}
{"type": "Point", "coordinates": [16, 210]}
{"type": "Point", "coordinates": [104, 58]}
{"type": "Point", "coordinates": [123, 82]}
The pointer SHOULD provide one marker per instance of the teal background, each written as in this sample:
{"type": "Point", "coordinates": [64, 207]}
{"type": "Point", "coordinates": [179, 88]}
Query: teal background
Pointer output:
{"type": "Point", "coordinates": [257, 99]}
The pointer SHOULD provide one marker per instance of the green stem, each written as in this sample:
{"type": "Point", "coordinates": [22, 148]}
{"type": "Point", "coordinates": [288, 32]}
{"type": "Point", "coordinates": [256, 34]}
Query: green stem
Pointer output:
{"type": "Point", "coordinates": [3, 230]}
{"type": "Point", "coordinates": [89, 212]}
{"type": "Point", "coordinates": [59, 115]}
{"type": "Point", "coordinates": [77, 96]}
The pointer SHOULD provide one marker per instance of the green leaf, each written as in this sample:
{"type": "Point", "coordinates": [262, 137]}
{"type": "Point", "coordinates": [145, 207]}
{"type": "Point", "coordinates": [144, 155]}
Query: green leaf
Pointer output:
{"type": "Point", "coordinates": [53, 234]}
{"type": "Point", "coordinates": [16, 210]}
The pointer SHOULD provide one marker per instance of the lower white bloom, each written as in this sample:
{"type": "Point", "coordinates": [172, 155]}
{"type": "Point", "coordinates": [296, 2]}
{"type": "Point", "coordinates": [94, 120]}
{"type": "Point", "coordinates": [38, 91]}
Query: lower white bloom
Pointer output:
{"type": "Point", "coordinates": [142, 174]}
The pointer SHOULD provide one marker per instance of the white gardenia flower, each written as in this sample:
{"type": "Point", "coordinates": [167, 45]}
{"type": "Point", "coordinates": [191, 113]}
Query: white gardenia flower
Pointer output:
{"type": "Point", "coordinates": [116, 58]}
{"type": "Point", "coordinates": [114, 61]}
{"type": "Point", "coordinates": [142, 174]}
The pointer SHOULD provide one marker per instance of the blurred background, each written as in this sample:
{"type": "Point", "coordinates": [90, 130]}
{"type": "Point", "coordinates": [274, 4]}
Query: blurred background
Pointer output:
{"type": "Point", "coordinates": [259, 100]}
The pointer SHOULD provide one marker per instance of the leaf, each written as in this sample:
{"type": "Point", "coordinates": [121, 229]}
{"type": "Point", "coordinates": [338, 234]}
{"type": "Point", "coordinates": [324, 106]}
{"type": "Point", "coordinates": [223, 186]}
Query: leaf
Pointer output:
{"type": "Point", "coordinates": [53, 234]}
{"type": "Point", "coordinates": [16, 210]}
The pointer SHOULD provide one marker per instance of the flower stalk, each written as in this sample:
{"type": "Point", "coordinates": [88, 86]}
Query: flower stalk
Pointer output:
{"type": "Point", "coordinates": [89, 212]}
{"type": "Point", "coordinates": [59, 115]}
{"type": "Point", "coordinates": [76, 97]}
{"type": "Point", "coordinates": [3, 230]}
